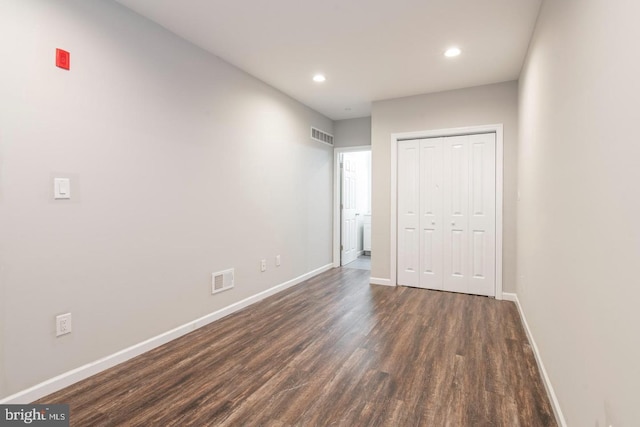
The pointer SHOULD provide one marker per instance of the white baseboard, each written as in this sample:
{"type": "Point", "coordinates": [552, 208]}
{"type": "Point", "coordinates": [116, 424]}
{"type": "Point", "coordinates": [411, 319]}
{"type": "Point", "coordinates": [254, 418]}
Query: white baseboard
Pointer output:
{"type": "Point", "coordinates": [508, 296]}
{"type": "Point", "coordinates": [68, 378]}
{"type": "Point", "coordinates": [545, 378]}
{"type": "Point", "coordinates": [378, 281]}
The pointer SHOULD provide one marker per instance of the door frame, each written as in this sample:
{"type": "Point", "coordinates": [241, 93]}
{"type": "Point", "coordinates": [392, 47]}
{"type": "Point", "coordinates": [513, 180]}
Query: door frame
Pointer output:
{"type": "Point", "coordinates": [437, 133]}
{"type": "Point", "coordinates": [337, 181]}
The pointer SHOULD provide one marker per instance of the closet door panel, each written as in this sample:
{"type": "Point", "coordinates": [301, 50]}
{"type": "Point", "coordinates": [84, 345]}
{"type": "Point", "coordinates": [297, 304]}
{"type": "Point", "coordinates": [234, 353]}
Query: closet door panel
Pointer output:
{"type": "Point", "coordinates": [482, 215]}
{"type": "Point", "coordinates": [431, 213]}
{"type": "Point", "coordinates": [456, 214]}
{"type": "Point", "coordinates": [408, 213]}
{"type": "Point", "coordinates": [446, 214]}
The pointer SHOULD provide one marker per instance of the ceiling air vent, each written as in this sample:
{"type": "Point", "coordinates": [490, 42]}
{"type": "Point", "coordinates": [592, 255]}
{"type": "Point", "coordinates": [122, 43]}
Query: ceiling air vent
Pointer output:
{"type": "Point", "coordinates": [321, 136]}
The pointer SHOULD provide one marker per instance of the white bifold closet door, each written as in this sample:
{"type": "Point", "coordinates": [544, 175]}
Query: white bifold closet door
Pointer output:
{"type": "Point", "coordinates": [446, 213]}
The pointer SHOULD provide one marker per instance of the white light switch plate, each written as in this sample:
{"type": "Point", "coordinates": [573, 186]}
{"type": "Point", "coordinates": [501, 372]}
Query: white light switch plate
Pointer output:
{"type": "Point", "coordinates": [61, 188]}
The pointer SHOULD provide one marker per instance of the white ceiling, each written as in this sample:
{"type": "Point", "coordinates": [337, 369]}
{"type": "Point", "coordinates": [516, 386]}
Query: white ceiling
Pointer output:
{"type": "Point", "coordinates": [368, 49]}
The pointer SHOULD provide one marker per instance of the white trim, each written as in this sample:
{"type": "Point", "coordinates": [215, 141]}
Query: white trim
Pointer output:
{"type": "Point", "coordinates": [508, 296]}
{"type": "Point", "coordinates": [393, 255]}
{"type": "Point", "coordinates": [68, 378]}
{"type": "Point", "coordinates": [499, 207]}
{"type": "Point", "coordinates": [469, 130]}
{"type": "Point", "coordinates": [379, 281]}
{"type": "Point", "coordinates": [336, 196]}
{"type": "Point", "coordinates": [545, 378]}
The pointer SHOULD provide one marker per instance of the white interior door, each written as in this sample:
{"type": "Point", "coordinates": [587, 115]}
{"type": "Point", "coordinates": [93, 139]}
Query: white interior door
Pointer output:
{"type": "Point", "coordinates": [456, 197]}
{"type": "Point", "coordinates": [446, 214]}
{"type": "Point", "coordinates": [408, 216]}
{"type": "Point", "coordinates": [349, 223]}
{"type": "Point", "coordinates": [482, 215]}
{"type": "Point", "coordinates": [431, 220]}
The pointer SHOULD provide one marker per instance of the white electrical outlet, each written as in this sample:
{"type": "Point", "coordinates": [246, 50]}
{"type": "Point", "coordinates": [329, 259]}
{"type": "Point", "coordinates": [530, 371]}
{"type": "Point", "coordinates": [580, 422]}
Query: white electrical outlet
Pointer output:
{"type": "Point", "coordinates": [263, 265]}
{"type": "Point", "coordinates": [63, 324]}
{"type": "Point", "coordinates": [277, 260]}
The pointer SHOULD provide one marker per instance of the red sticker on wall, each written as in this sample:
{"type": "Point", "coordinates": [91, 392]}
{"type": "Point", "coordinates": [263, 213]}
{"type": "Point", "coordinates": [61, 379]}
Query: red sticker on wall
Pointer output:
{"type": "Point", "coordinates": [63, 59]}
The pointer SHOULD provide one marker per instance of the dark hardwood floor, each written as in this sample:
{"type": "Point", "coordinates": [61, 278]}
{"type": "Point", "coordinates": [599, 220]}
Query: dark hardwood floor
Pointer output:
{"type": "Point", "coordinates": [331, 351]}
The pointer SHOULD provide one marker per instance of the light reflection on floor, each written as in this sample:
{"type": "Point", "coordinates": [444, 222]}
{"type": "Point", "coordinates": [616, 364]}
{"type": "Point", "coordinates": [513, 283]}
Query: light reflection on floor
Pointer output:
{"type": "Point", "coordinates": [363, 262]}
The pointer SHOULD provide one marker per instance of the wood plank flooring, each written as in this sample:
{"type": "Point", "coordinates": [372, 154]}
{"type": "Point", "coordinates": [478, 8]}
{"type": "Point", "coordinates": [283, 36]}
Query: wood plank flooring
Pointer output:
{"type": "Point", "coordinates": [331, 351]}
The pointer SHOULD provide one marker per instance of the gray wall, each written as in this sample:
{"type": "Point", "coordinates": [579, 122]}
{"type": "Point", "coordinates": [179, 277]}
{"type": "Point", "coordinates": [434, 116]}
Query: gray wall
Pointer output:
{"type": "Point", "coordinates": [181, 165]}
{"type": "Point", "coordinates": [578, 228]}
{"type": "Point", "coordinates": [482, 105]}
{"type": "Point", "coordinates": [352, 132]}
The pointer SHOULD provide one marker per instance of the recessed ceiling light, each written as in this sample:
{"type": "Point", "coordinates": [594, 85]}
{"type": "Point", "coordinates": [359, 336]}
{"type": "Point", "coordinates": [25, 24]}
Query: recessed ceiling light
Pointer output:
{"type": "Point", "coordinates": [452, 51]}
{"type": "Point", "coordinates": [319, 78]}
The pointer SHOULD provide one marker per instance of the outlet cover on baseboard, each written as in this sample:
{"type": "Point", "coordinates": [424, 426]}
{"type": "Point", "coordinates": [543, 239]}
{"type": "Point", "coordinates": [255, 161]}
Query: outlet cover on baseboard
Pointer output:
{"type": "Point", "coordinates": [222, 281]}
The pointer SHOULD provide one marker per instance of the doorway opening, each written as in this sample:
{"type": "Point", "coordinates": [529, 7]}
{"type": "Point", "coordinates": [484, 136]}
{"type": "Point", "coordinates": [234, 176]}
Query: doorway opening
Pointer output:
{"type": "Point", "coordinates": [352, 216]}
